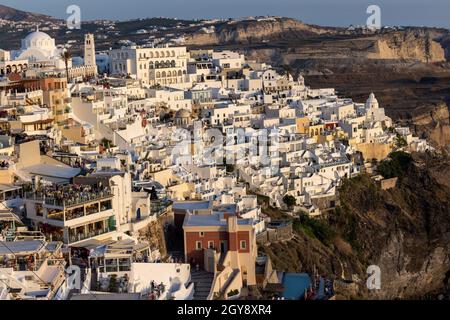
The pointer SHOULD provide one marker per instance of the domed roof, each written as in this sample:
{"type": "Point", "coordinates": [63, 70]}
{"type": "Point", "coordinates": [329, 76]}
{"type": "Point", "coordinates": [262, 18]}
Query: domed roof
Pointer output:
{"type": "Point", "coordinates": [182, 113]}
{"type": "Point", "coordinates": [371, 98]}
{"type": "Point", "coordinates": [36, 36]}
{"type": "Point", "coordinates": [39, 40]}
{"type": "Point", "coordinates": [372, 102]}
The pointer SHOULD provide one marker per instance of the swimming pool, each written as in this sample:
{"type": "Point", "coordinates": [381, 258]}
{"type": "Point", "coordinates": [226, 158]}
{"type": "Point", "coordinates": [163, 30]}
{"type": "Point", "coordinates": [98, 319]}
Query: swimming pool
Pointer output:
{"type": "Point", "coordinates": [295, 285]}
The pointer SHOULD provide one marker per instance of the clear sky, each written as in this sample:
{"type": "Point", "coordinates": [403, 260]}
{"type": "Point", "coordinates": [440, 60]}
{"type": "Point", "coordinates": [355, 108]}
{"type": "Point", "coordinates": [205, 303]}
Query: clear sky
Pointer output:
{"type": "Point", "coordinates": [322, 12]}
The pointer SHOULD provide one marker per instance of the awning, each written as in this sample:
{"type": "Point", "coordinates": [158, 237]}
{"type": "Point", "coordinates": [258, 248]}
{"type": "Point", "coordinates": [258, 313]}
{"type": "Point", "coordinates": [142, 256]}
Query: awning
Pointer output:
{"type": "Point", "coordinates": [8, 216]}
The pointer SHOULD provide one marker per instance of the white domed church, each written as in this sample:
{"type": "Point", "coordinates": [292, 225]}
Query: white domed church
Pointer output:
{"type": "Point", "coordinates": [39, 47]}
{"type": "Point", "coordinates": [374, 113]}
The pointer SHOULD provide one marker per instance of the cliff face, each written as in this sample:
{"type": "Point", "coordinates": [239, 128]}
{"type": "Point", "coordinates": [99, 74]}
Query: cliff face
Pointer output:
{"type": "Point", "coordinates": [303, 41]}
{"type": "Point", "coordinates": [407, 45]}
{"type": "Point", "coordinates": [405, 231]}
{"type": "Point", "coordinates": [255, 31]}
{"type": "Point", "coordinates": [434, 124]}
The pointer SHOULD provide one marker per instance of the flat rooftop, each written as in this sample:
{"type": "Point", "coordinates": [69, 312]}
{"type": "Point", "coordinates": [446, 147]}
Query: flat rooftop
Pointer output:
{"type": "Point", "coordinates": [211, 220]}
{"type": "Point", "coordinates": [191, 205]}
{"type": "Point", "coordinates": [21, 247]}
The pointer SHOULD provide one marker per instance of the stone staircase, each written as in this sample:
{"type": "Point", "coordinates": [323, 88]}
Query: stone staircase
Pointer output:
{"type": "Point", "coordinates": [202, 284]}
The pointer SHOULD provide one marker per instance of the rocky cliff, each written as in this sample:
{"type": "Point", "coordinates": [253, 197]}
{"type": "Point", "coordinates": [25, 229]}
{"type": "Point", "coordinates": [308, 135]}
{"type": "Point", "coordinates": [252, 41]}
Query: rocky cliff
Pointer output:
{"type": "Point", "coordinates": [254, 31]}
{"type": "Point", "coordinates": [407, 45]}
{"type": "Point", "coordinates": [432, 123]}
{"type": "Point", "coordinates": [297, 40]}
{"type": "Point", "coordinates": [405, 231]}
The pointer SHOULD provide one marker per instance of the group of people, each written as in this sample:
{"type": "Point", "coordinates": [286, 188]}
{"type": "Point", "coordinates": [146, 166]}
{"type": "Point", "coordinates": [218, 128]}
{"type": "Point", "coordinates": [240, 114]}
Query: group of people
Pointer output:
{"type": "Point", "coordinates": [156, 290]}
{"type": "Point", "coordinates": [22, 263]}
{"type": "Point", "coordinates": [74, 192]}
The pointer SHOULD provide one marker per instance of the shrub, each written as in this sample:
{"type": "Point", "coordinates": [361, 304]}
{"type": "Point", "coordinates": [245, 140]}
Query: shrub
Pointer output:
{"type": "Point", "coordinates": [289, 200]}
{"type": "Point", "coordinates": [314, 228]}
{"type": "Point", "coordinates": [396, 166]}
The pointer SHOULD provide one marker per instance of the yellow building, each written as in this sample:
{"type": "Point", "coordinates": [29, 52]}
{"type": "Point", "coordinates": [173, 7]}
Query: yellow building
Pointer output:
{"type": "Point", "coordinates": [302, 125]}
{"type": "Point", "coordinates": [316, 131]}
{"type": "Point", "coordinates": [56, 97]}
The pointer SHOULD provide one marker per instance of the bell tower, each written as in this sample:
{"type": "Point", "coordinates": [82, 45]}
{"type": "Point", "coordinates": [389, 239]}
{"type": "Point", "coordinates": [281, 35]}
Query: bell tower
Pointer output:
{"type": "Point", "coordinates": [89, 50]}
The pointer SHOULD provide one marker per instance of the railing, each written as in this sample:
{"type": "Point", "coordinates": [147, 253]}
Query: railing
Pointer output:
{"type": "Point", "coordinates": [82, 236]}
{"type": "Point", "coordinates": [29, 235]}
{"type": "Point", "coordinates": [74, 200]}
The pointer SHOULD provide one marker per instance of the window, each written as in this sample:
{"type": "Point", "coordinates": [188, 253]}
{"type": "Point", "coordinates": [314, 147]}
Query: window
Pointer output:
{"type": "Point", "coordinates": [201, 234]}
{"type": "Point", "coordinates": [39, 210]}
{"type": "Point", "coordinates": [211, 244]}
{"type": "Point", "coordinates": [243, 244]}
{"type": "Point", "coordinates": [111, 265]}
{"type": "Point", "coordinates": [198, 245]}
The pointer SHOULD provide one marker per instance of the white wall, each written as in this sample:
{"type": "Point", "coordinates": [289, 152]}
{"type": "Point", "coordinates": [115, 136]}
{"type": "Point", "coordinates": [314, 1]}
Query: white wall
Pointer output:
{"type": "Point", "coordinates": [174, 276]}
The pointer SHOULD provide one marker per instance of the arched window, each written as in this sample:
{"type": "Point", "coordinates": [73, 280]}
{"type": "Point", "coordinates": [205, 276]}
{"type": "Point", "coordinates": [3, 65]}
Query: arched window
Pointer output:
{"type": "Point", "coordinates": [173, 63]}
{"type": "Point", "coordinates": [158, 74]}
{"type": "Point", "coordinates": [163, 74]}
{"type": "Point", "coordinates": [162, 55]}
{"type": "Point", "coordinates": [173, 53]}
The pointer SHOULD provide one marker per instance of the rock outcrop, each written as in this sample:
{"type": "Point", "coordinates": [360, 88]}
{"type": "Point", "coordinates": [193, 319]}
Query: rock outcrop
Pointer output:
{"type": "Point", "coordinates": [405, 231]}
{"type": "Point", "coordinates": [407, 45]}
{"type": "Point", "coordinates": [254, 31]}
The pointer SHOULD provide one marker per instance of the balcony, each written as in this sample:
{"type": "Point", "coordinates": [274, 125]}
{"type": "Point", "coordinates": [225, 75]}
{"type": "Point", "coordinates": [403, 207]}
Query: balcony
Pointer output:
{"type": "Point", "coordinates": [84, 236]}
{"type": "Point", "coordinates": [91, 230]}
{"type": "Point", "coordinates": [69, 196]}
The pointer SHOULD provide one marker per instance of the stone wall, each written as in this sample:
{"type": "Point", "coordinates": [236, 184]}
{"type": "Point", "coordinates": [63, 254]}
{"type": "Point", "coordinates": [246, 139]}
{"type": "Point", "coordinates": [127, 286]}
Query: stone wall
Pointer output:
{"type": "Point", "coordinates": [275, 232]}
{"type": "Point", "coordinates": [374, 150]}
{"type": "Point", "coordinates": [387, 184]}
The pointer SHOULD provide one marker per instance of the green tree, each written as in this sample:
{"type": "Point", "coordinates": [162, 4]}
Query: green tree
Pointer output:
{"type": "Point", "coordinates": [66, 56]}
{"type": "Point", "coordinates": [106, 143]}
{"type": "Point", "coordinates": [396, 166]}
{"type": "Point", "coordinates": [289, 200]}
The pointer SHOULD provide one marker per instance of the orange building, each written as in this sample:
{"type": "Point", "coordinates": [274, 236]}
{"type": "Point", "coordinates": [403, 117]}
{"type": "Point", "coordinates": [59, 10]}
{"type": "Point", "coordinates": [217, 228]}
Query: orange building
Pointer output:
{"type": "Point", "coordinates": [55, 95]}
{"type": "Point", "coordinates": [302, 125]}
{"type": "Point", "coordinates": [221, 240]}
